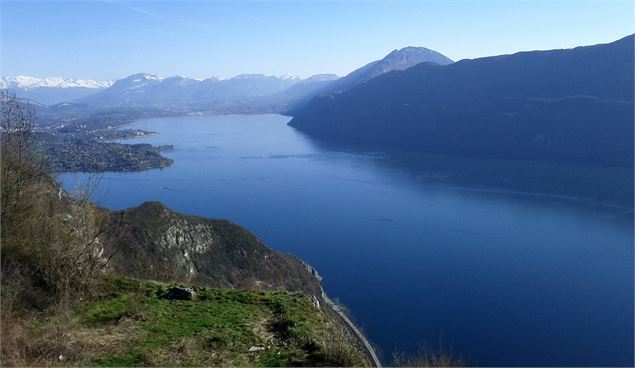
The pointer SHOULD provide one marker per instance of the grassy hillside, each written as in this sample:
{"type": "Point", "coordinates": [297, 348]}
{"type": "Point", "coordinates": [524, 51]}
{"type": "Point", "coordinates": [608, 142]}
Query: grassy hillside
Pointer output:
{"type": "Point", "coordinates": [129, 324]}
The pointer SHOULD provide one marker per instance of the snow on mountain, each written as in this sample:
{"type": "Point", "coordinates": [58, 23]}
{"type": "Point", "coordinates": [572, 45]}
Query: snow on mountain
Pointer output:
{"type": "Point", "coordinates": [27, 82]}
{"type": "Point", "coordinates": [288, 76]}
{"type": "Point", "coordinates": [144, 89]}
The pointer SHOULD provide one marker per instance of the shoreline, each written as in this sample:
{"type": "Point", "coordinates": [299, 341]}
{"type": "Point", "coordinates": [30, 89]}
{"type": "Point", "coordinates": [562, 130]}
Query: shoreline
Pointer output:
{"type": "Point", "coordinates": [369, 350]}
{"type": "Point", "coordinates": [370, 353]}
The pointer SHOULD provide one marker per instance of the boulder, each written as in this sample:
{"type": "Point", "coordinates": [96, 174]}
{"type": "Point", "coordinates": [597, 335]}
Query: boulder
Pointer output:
{"type": "Point", "coordinates": [180, 293]}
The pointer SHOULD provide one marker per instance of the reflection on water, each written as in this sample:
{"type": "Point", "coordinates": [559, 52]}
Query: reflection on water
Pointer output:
{"type": "Point", "coordinates": [510, 263]}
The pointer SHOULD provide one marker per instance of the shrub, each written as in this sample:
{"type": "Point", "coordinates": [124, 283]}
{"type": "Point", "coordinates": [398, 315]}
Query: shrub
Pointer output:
{"type": "Point", "coordinates": [339, 351]}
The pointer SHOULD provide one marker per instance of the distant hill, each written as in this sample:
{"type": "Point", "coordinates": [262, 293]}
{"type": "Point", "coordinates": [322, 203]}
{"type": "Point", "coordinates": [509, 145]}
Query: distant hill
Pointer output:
{"type": "Point", "coordinates": [304, 90]}
{"type": "Point", "coordinates": [563, 105]}
{"type": "Point", "coordinates": [186, 94]}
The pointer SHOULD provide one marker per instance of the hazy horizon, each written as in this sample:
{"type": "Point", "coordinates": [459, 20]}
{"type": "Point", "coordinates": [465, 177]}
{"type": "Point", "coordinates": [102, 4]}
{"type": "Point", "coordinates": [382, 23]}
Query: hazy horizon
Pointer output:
{"type": "Point", "coordinates": [109, 40]}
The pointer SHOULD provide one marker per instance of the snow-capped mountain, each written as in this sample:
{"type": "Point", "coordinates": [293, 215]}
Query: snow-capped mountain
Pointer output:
{"type": "Point", "coordinates": [148, 90]}
{"type": "Point", "coordinates": [27, 82]}
{"type": "Point", "coordinates": [245, 92]}
{"type": "Point", "coordinates": [288, 76]}
{"type": "Point", "coordinates": [53, 90]}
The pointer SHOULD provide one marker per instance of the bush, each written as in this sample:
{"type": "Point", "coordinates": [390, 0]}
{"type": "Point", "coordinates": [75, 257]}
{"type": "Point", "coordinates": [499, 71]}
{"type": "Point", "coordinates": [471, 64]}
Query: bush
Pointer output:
{"type": "Point", "coordinates": [338, 351]}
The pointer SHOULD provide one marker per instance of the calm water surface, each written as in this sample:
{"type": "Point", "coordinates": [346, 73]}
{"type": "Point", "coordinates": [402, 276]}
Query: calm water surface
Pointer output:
{"type": "Point", "coordinates": [508, 263]}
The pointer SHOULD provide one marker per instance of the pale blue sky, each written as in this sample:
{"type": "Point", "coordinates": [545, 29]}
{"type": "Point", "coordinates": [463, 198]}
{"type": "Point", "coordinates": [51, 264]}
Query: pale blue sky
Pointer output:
{"type": "Point", "coordinates": [112, 39]}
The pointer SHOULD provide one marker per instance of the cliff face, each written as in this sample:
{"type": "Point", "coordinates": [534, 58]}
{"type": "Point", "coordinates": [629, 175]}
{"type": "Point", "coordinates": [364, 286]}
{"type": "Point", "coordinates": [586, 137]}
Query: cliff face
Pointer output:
{"type": "Point", "coordinates": [153, 242]}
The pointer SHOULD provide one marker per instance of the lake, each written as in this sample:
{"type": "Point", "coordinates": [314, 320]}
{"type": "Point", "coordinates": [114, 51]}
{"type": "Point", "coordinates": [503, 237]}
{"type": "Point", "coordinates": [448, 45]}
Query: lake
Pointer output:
{"type": "Point", "coordinates": [506, 263]}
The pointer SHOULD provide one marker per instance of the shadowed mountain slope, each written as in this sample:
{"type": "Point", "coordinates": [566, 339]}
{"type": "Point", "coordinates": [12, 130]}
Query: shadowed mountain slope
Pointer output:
{"type": "Point", "coordinates": [557, 105]}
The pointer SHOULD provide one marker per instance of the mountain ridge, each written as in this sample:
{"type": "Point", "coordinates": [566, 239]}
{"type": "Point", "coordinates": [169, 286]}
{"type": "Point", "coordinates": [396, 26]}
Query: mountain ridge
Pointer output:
{"type": "Point", "coordinates": [518, 106]}
{"type": "Point", "coordinates": [398, 59]}
{"type": "Point", "coordinates": [52, 90]}
{"type": "Point", "coordinates": [242, 93]}
{"type": "Point", "coordinates": [28, 82]}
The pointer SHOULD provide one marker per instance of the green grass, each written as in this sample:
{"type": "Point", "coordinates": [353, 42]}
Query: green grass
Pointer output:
{"type": "Point", "coordinates": [132, 326]}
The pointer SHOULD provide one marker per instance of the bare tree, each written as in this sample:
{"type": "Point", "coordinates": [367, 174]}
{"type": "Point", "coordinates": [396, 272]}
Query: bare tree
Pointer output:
{"type": "Point", "coordinates": [59, 236]}
{"type": "Point", "coordinates": [16, 126]}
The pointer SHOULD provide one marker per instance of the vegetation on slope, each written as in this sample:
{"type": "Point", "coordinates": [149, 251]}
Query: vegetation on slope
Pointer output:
{"type": "Point", "coordinates": [63, 302]}
{"type": "Point", "coordinates": [129, 324]}
{"type": "Point", "coordinates": [154, 242]}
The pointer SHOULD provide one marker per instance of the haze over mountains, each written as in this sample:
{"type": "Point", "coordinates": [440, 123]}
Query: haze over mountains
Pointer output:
{"type": "Point", "coordinates": [563, 105]}
{"type": "Point", "coordinates": [242, 93]}
{"type": "Point", "coordinates": [146, 90]}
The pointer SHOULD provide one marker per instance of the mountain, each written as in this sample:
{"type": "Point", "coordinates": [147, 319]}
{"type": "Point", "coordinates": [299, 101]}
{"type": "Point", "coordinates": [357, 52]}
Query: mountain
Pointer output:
{"type": "Point", "coordinates": [26, 82]}
{"type": "Point", "coordinates": [303, 90]}
{"type": "Point", "coordinates": [146, 95]}
{"type": "Point", "coordinates": [138, 89]}
{"type": "Point", "coordinates": [309, 86]}
{"type": "Point", "coordinates": [53, 90]}
{"type": "Point", "coordinates": [558, 105]}
{"type": "Point", "coordinates": [246, 93]}
{"type": "Point", "coordinates": [148, 90]}
{"type": "Point", "coordinates": [397, 60]}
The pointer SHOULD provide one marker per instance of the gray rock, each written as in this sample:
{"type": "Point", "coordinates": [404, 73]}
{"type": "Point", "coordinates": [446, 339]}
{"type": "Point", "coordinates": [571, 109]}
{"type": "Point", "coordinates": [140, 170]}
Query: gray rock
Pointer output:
{"type": "Point", "coordinates": [180, 293]}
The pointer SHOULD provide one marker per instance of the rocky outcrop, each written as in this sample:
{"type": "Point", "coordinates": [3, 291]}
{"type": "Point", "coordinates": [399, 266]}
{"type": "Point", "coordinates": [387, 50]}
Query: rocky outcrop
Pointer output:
{"type": "Point", "coordinates": [153, 242]}
{"type": "Point", "coordinates": [179, 293]}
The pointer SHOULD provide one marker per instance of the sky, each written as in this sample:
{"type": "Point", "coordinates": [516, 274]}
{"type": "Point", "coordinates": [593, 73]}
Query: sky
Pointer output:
{"type": "Point", "coordinates": [108, 40]}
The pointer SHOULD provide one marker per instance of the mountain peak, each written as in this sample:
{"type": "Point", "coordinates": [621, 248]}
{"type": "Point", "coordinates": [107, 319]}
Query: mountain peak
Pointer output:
{"type": "Point", "coordinates": [414, 54]}
{"type": "Point", "coordinates": [398, 59]}
{"type": "Point", "coordinates": [136, 81]}
{"type": "Point", "coordinates": [145, 76]}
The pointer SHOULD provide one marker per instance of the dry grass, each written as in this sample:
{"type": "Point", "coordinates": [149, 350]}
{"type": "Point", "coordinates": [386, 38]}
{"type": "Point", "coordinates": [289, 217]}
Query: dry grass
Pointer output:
{"type": "Point", "coordinates": [61, 340]}
{"type": "Point", "coordinates": [132, 326]}
{"type": "Point", "coordinates": [428, 357]}
{"type": "Point", "coordinates": [340, 352]}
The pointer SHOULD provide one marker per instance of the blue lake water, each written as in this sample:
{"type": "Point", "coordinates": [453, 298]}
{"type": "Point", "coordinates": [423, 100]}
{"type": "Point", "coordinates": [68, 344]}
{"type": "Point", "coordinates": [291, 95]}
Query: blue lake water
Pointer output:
{"type": "Point", "coordinates": [507, 263]}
